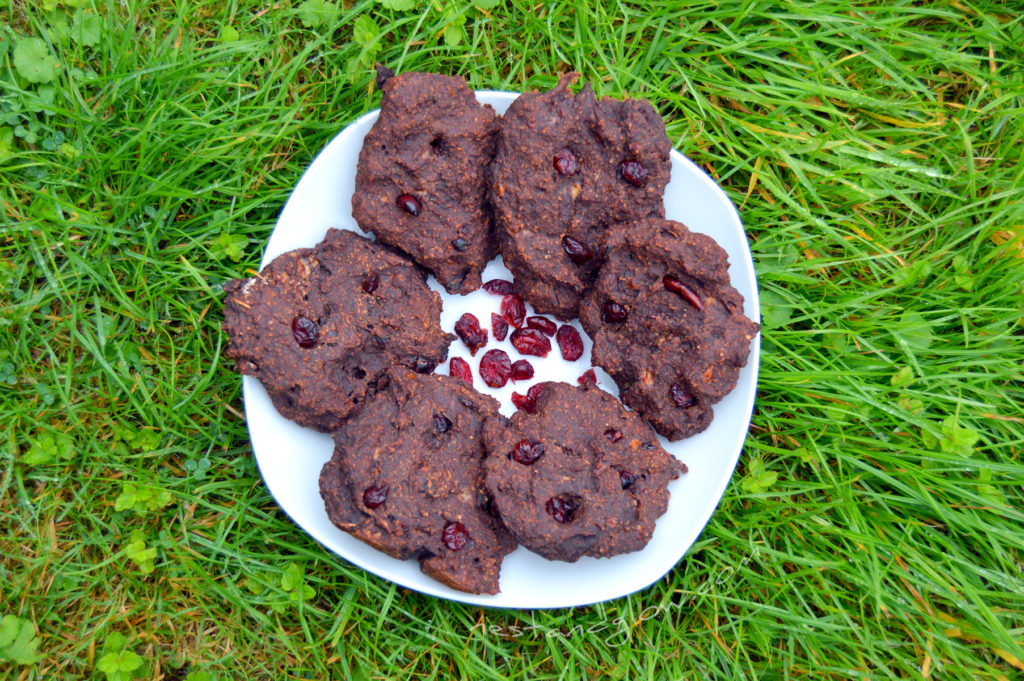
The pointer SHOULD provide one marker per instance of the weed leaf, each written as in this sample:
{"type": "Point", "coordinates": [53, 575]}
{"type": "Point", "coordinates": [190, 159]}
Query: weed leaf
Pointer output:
{"type": "Point", "coordinates": [6, 142]}
{"type": "Point", "coordinates": [400, 5]}
{"type": "Point", "coordinates": [775, 310]}
{"type": "Point", "coordinates": [315, 13]}
{"type": "Point", "coordinates": [86, 30]}
{"type": "Point", "coordinates": [48, 448]}
{"type": "Point", "coordinates": [120, 665]}
{"type": "Point", "coordinates": [913, 330]}
{"type": "Point", "coordinates": [138, 553]}
{"type": "Point", "coordinates": [142, 499]}
{"type": "Point", "coordinates": [18, 642]}
{"type": "Point", "coordinates": [963, 277]}
{"type": "Point", "coordinates": [32, 59]}
{"type": "Point", "coordinates": [956, 439]}
{"type": "Point", "coordinates": [364, 30]}
{"type": "Point", "coordinates": [901, 378]}
{"type": "Point", "coordinates": [758, 479]}
{"type": "Point", "coordinates": [230, 245]}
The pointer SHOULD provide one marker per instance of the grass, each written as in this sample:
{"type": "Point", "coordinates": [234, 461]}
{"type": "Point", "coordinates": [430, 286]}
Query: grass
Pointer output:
{"type": "Point", "coordinates": [873, 528]}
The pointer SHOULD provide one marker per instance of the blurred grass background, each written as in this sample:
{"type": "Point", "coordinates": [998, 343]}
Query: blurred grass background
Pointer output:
{"type": "Point", "coordinates": [873, 527]}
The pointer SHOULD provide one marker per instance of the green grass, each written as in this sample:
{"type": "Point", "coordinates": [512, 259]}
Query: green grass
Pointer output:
{"type": "Point", "coordinates": [873, 527]}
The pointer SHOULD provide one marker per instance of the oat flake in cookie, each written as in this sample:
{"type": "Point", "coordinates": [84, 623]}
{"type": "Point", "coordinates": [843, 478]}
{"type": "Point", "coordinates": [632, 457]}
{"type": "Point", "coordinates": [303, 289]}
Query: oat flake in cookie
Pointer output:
{"type": "Point", "coordinates": [407, 478]}
{"type": "Point", "coordinates": [568, 166]}
{"type": "Point", "coordinates": [319, 326]}
{"type": "Point", "coordinates": [421, 178]}
{"type": "Point", "coordinates": [582, 476]}
{"type": "Point", "coordinates": [667, 324]}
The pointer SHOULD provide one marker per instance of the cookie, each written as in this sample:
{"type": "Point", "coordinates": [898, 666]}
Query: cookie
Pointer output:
{"type": "Point", "coordinates": [407, 478]}
{"type": "Point", "coordinates": [319, 326]}
{"type": "Point", "coordinates": [666, 323]}
{"type": "Point", "coordinates": [421, 177]}
{"type": "Point", "coordinates": [581, 476]}
{"type": "Point", "coordinates": [567, 167]}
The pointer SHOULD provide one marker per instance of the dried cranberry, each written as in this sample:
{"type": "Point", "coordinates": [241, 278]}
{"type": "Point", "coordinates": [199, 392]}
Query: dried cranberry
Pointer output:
{"type": "Point", "coordinates": [627, 478]}
{"type": "Point", "coordinates": [535, 390]}
{"type": "Point", "coordinates": [375, 495]}
{"type": "Point", "coordinates": [455, 536]}
{"type": "Point", "coordinates": [682, 290]}
{"type": "Point", "coordinates": [563, 508]}
{"type": "Point", "coordinates": [513, 310]}
{"type": "Point", "coordinates": [613, 313]}
{"type": "Point", "coordinates": [542, 324]}
{"type": "Point", "coordinates": [371, 282]}
{"type": "Point", "coordinates": [495, 368]}
{"type": "Point", "coordinates": [528, 402]}
{"type": "Point", "coordinates": [569, 342]}
{"type": "Point", "coordinates": [613, 435]}
{"type": "Point", "coordinates": [460, 244]}
{"type": "Point", "coordinates": [499, 287]}
{"type": "Point", "coordinates": [531, 342]}
{"type": "Point", "coordinates": [524, 403]}
{"type": "Point", "coordinates": [528, 451]}
{"type": "Point", "coordinates": [442, 424]}
{"type": "Point", "coordinates": [576, 250]}
{"type": "Point", "coordinates": [409, 203]}
{"type": "Point", "coordinates": [305, 332]}
{"type": "Point", "coordinates": [468, 329]}
{"type": "Point", "coordinates": [459, 368]}
{"type": "Point", "coordinates": [682, 399]}
{"type": "Point", "coordinates": [521, 370]}
{"type": "Point", "coordinates": [499, 327]}
{"type": "Point", "coordinates": [565, 162]}
{"type": "Point", "coordinates": [633, 172]}
{"type": "Point", "coordinates": [588, 377]}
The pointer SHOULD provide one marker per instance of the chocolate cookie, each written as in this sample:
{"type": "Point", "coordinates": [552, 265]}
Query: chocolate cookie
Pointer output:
{"type": "Point", "coordinates": [567, 167]}
{"type": "Point", "coordinates": [319, 326]}
{"type": "Point", "coordinates": [667, 324]}
{"type": "Point", "coordinates": [407, 478]}
{"type": "Point", "coordinates": [421, 178]}
{"type": "Point", "coordinates": [580, 477]}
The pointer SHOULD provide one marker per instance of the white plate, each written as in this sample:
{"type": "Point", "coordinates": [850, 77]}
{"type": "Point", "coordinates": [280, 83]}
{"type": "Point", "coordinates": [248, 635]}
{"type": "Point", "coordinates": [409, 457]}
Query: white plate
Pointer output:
{"type": "Point", "coordinates": [290, 457]}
